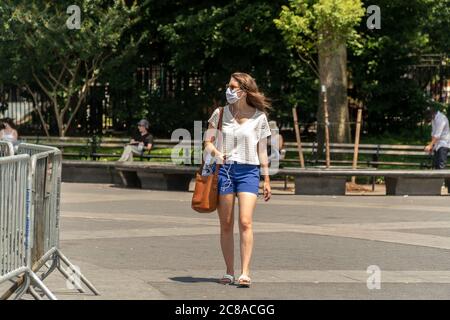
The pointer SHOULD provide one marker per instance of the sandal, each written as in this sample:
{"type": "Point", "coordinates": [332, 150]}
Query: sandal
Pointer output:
{"type": "Point", "coordinates": [227, 279]}
{"type": "Point", "coordinates": [244, 281]}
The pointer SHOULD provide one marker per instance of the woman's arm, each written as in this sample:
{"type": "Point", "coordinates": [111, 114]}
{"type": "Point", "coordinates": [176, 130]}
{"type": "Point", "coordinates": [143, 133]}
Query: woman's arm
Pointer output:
{"type": "Point", "coordinates": [208, 143]}
{"type": "Point", "coordinates": [263, 158]}
{"type": "Point", "coordinates": [264, 162]}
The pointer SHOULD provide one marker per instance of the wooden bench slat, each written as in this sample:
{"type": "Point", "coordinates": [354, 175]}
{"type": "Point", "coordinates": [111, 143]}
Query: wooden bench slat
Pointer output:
{"type": "Point", "coordinates": [364, 172]}
{"type": "Point", "coordinates": [381, 150]}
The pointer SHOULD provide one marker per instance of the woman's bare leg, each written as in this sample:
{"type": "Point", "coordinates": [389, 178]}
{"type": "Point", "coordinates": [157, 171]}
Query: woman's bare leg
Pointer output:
{"type": "Point", "coordinates": [247, 203]}
{"type": "Point", "coordinates": [225, 209]}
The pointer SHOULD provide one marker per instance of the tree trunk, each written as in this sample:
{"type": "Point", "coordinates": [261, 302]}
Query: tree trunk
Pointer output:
{"type": "Point", "coordinates": [38, 109]}
{"type": "Point", "coordinates": [60, 122]}
{"type": "Point", "coordinates": [333, 74]}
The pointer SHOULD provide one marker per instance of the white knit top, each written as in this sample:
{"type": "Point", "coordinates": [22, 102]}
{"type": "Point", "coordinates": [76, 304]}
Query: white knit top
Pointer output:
{"type": "Point", "coordinates": [239, 141]}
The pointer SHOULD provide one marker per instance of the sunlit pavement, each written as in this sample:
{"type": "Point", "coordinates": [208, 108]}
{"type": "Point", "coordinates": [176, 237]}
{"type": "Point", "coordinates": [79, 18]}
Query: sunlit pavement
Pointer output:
{"type": "Point", "coordinates": [140, 244]}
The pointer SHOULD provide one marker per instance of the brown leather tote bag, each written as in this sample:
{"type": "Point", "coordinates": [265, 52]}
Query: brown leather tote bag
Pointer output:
{"type": "Point", "coordinates": [204, 199]}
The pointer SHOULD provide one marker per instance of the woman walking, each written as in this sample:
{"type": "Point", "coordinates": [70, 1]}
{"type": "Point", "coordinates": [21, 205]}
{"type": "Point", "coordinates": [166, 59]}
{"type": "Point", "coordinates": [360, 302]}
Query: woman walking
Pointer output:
{"type": "Point", "coordinates": [242, 150]}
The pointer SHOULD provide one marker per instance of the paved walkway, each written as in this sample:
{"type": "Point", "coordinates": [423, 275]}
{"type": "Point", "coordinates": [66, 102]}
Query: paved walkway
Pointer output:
{"type": "Point", "coordinates": [140, 244]}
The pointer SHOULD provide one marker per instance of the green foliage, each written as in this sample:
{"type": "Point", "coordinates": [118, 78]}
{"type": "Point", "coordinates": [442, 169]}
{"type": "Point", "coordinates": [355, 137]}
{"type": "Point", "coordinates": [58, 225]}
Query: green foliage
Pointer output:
{"type": "Point", "coordinates": [272, 40]}
{"type": "Point", "coordinates": [40, 51]}
{"type": "Point", "coordinates": [212, 41]}
{"type": "Point", "coordinates": [381, 69]}
{"type": "Point", "coordinates": [306, 24]}
{"type": "Point", "coordinates": [318, 31]}
{"type": "Point", "coordinates": [438, 25]}
{"type": "Point", "coordinates": [215, 41]}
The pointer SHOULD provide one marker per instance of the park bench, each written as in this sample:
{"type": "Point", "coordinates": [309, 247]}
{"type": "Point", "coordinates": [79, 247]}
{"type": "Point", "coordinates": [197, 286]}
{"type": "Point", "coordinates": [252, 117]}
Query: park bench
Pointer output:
{"type": "Point", "coordinates": [89, 147]}
{"type": "Point", "coordinates": [398, 182]}
{"type": "Point", "coordinates": [156, 176]}
{"type": "Point", "coordinates": [83, 171]}
{"type": "Point", "coordinates": [369, 156]}
{"type": "Point", "coordinates": [373, 154]}
{"type": "Point", "coordinates": [149, 175]}
{"type": "Point", "coordinates": [312, 181]}
{"type": "Point", "coordinates": [173, 179]}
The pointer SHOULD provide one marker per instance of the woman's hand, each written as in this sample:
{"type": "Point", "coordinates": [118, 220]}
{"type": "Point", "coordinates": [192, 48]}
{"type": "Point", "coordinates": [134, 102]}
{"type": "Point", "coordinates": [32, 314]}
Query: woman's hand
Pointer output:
{"type": "Point", "coordinates": [219, 156]}
{"type": "Point", "coordinates": [267, 190]}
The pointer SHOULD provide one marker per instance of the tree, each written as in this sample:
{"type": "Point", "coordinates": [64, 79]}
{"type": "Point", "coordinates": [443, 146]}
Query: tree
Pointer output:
{"type": "Point", "coordinates": [438, 25]}
{"type": "Point", "coordinates": [381, 68]}
{"type": "Point", "coordinates": [41, 53]}
{"type": "Point", "coordinates": [213, 41]}
{"type": "Point", "coordinates": [319, 31]}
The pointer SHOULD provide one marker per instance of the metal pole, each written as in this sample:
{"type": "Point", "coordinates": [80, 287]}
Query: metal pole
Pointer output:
{"type": "Point", "coordinates": [297, 137]}
{"type": "Point", "coordinates": [327, 124]}
{"type": "Point", "coordinates": [357, 136]}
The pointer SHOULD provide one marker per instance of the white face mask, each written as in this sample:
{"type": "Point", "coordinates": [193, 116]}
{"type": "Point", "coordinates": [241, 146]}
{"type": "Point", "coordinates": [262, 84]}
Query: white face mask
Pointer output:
{"type": "Point", "coordinates": [232, 96]}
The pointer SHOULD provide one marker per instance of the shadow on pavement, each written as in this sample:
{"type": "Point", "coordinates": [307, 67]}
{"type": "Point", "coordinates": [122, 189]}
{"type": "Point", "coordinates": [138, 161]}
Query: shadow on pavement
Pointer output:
{"type": "Point", "coordinates": [194, 280]}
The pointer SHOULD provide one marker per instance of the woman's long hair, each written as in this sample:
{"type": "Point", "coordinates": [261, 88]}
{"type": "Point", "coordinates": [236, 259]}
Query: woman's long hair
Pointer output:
{"type": "Point", "coordinates": [8, 121]}
{"type": "Point", "coordinates": [255, 98]}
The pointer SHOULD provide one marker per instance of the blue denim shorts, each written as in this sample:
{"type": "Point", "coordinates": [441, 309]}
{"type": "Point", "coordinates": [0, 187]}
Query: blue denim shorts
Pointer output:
{"type": "Point", "coordinates": [235, 177]}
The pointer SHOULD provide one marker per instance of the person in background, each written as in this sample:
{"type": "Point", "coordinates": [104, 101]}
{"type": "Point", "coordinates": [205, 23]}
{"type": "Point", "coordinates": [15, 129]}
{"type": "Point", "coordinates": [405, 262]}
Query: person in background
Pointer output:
{"type": "Point", "coordinates": [141, 143]}
{"type": "Point", "coordinates": [8, 132]}
{"type": "Point", "coordinates": [440, 137]}
{"type": "Point", "coordinates": [275, 143]}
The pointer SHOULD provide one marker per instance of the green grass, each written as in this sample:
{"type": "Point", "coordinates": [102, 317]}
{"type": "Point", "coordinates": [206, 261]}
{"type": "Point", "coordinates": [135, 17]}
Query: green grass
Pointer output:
{"type": "Point", "coordinates": [83, 154]}
{"type": "Point", "coordinates": [408, 137]}
{"type": "Point", "coordinates": [365, 158]}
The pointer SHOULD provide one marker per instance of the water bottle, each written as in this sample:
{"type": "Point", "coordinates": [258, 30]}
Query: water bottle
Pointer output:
{"type": "Point", "coordinates": [208, 166]}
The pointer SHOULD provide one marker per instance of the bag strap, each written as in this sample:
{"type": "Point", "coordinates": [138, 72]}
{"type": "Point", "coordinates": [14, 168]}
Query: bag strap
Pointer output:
{"type": "Point", "coordinates": [219, 127]}
{"type": "Point", "coordinates": [219, 124]}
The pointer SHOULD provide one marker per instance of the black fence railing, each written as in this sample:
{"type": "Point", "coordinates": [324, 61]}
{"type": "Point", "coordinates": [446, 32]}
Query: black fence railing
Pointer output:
{"type": "Point", "coordinates": [157, 92]}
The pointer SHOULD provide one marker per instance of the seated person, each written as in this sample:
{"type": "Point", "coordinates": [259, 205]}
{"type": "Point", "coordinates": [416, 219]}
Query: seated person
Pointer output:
{"type": "Point", "coordinates": [141, 143]}
{"type": "Point", "coordinates": [275, 143]}
{"type": "Point", "coordinates": [8, 132]}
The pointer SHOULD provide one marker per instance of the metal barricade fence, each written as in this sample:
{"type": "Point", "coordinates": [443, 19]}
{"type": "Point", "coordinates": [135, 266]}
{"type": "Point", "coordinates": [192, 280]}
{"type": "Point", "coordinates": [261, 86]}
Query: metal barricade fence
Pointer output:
{"type": "Point", "coordinates": [46, 168]}
{"type": "Point", "coordinates": [15, 219]}
{"type": "Point", "coordinates": [45, 188]}
{"type": "Point", "coordinates": [6, 149]}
